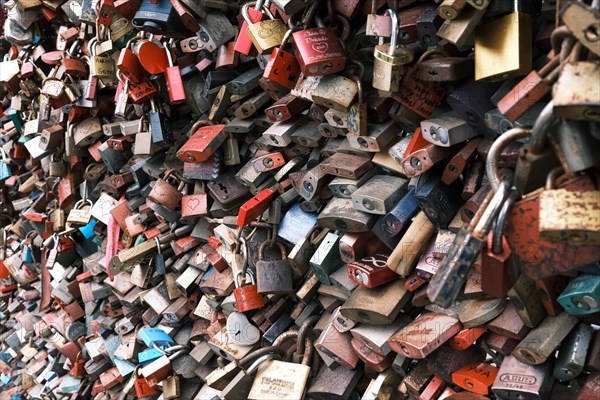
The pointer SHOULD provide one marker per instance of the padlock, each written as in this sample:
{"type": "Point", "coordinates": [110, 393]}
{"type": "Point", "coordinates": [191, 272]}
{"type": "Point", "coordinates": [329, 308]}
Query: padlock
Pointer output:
{"type": "Point", "coordinates": [423, 335]}
{"type": "Point", "coordinates": [243, 43]}
{"type": "Point", "coordinates": [377, 138]}
{"type": "Point", "coordinates": [281, 379]}
{"type": "Point", "coordinates": [5, 170]}
{"type": "Point", "coordinates": [106, 11]}
{"type": "Point", "coordinates": [371, 271]}
{"type": "Point", "coordinates": [568, 216]}
{"type": "Point", "coordinates": [581, 296]}
{"type": "Point", "coordinates": [239, 386]}
{"type": "Point", "coordinates": [516, 378]}
{"type": "Point", "coordinates": [581, 105]}
{"type": "Point", "coordinates": [78, 370]}
{"type": "Point", "coordinates": [476, 378]}
{"type": "Point", "coordinates": [447, 282]}
{"type": "Point", "coordinates": [525, 257]}
{"type": "Point", "coordinates": [337, 345]}
{"type": "Point", "coordinates": [573, 143]}
{"type": "Point", "coordinates": [286, 107]}
{"type": "Point", "coordinates": [101, 66]}
{"type": "Point", "coordinates": [389, 59]}
{"type": "Point", "coordinates": [246, 296]}
{"type": "Point", "coordinates": [529, 90]}
{"type": "Point", "coordinates": [357, 114]}
{"type": "Point", "coordinates": [273, 276]}
{"type": "Point", "coordinates": [326, 259]}
{"type": "Point", "coordinates": [282, 68]}
{"type": "Point", "coordinates": [502, 59]}
{"type": "Point", "coordinates": [166, 194]}
{"type": "Point", "coordinates": [379, 194]}
{"type": "Point", "coordinates": [336, 92]}
{"type": "Point", "coordinates": [173, 80]}
{"type": "Point", "coordinates": [376, 306]}
{"type": "Point", "coordinates": [80, 213]}
{"type": "Point", "coordinates": [318, 50]}
{"type": "Point", "coordinates": [158, 17]}
{"type": "Point", "coordinates": [572, 353]}
{"type": "Point", "coordinates": [266, 34]}
{"type": "Point", "coordinates": [202, 144]}
{"type": "Point", "coordinates": [497, 274]}
{"type": "Point", "coordinates": [439, 201]}
{"type": "Point", "coordinates": [547, 337]}
{"type": "Point", "coordinates": [377, 25]}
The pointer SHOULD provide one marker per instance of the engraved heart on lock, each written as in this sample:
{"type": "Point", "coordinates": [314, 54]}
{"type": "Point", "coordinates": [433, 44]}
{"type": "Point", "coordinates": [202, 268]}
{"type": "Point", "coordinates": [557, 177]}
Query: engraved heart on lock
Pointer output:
{"type": "Point", "coordinates": [320, 47]}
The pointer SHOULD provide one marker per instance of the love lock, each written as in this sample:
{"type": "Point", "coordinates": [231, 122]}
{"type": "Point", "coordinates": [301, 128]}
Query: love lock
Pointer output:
{"type": "Point", "coordinates": [273, 276]}
{"type": "Point", "coordinates": [241, 331]}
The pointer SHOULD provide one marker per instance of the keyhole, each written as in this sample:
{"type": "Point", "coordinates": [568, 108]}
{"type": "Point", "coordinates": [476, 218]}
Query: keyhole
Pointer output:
{"type": "Point", "coordinates": [592, 33]}
{"type": "Point", "coordinates": [223, 188]}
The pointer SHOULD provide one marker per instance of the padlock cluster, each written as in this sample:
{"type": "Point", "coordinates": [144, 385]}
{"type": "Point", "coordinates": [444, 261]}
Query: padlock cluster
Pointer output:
{"type": "Point", "coordinates": [299, 199]}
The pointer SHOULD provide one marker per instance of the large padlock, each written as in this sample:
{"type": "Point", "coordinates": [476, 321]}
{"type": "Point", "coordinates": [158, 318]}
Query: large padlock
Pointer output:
{"type": "Point", "coordinates": [273, 276]}
{"type": "Point", "coordinates": [281, 380]}
{"type": "Point", "coordinates": [246, 296]}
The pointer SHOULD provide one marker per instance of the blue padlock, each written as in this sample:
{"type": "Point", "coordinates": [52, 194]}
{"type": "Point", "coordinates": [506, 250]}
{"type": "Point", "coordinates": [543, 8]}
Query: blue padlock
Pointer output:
{"type": "Point", "coordinates": [155, 337]}
{"type": "Point", "coordinates": [147, 356]}
{"type": "Point", "coordinates": [582, 295]}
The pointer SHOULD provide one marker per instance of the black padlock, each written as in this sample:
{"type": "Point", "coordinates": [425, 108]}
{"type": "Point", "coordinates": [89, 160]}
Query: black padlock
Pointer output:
{"type": "Point", "coordinates": [439, 201]}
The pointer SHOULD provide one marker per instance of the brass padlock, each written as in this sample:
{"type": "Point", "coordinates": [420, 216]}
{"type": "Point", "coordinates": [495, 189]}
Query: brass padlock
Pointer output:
{"type": "Point", "coordinates": [500, 57]}
{"type": "Point", "coordinates": [265, 35]}
{"type": "Point", "coordinates": [389, 58]}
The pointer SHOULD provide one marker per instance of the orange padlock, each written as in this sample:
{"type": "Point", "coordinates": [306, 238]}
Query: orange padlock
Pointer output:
{"type": "Point", "coordinates": [142, 388]}
{"type": "Point", "coordinates": [475, 377]}
{"type": "Point", "coordinates": [78, 369]}
{"type": "Point", "coordinates": [246, 296]}
{"type": "Point", "coordinates": [465, 338]}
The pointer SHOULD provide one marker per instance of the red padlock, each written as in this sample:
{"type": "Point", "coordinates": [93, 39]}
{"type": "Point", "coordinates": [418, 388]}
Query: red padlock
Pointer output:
{"type": "Point", "coordinates": [142, 388]}
{"type": "Point", "coordinates": [142, 91]}
{"type": "Point", "coordinates": [371, 271]}
{"type": "Point", "coordinates": [246, 296]}
{"type": "Point", "coordinates": [319, 51]}
{"type": "Point", "coordinates": [174, 82]}
{"type": "Point", "coordinates": [106, 12]}
{"type": "Point", "coordinates": [152, 56]}
{"type": "Point", "coordinates": [129, 66]}
{"type": "Point", "coordinates": [254, 207]}
{"type": "Point", "coordinates": [202, 144]}
{"type": "Point", "coordinates": [283, 67]}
